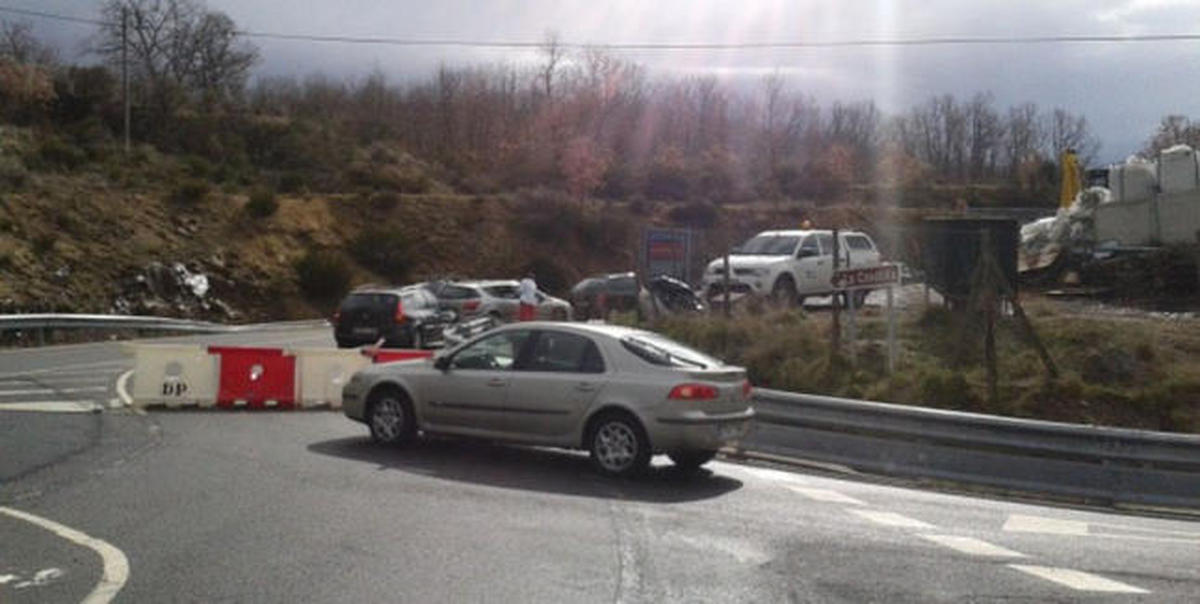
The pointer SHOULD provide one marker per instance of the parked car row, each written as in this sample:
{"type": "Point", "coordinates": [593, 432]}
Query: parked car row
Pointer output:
{"type": "Point", "coordinates": [417, 316]}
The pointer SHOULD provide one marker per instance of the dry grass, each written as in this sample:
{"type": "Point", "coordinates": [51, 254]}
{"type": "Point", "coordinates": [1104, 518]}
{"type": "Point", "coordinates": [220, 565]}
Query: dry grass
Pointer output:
{"type": "Point", "coordinates": [1131, 372]}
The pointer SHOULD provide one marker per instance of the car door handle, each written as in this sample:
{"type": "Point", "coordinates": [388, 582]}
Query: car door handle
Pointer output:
{"type": "Point", "coordinates": [497, 382]}
{"type": "Point", "coordinates": [585, 387]}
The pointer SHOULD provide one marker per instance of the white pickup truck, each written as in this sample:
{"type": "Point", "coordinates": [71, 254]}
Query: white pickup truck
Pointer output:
{"type": "Point", "coordinates": [790, 265]}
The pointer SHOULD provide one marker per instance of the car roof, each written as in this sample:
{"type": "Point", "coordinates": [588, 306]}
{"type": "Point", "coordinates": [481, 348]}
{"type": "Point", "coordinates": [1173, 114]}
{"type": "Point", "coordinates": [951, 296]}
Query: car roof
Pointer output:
{"type": "Point", "coordinates": [613, 331]}
{"type": "Point", "coordinates": [490, 282]}
{"type": "Point", "coordinates": [383, 289]}
{"type": "Point", "coordinates": [801, 233]}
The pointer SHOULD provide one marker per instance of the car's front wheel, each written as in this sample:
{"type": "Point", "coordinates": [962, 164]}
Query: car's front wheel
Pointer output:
{"type": "Point", "coordinates": [690, 461]}
{"type": "Point", "coordinates": [390, 417]}
{"type": "Point", "coordinates": [618, 445]}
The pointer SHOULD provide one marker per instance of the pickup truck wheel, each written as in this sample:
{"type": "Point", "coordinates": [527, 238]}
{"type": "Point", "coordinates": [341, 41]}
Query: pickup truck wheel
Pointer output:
{"type": "Point", "coordinates": [784, 292]}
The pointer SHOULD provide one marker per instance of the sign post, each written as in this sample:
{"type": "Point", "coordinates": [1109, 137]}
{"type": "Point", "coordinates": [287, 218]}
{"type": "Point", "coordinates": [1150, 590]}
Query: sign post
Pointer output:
{"type": "Point", "coordinates": [849, 280]}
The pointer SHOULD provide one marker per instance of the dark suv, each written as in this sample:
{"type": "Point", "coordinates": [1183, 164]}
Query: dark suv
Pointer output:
{"type": "Point", "coordinates": [406, 317]}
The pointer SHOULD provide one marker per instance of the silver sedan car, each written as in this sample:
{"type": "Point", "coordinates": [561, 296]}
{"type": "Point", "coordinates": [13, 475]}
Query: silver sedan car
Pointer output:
{"type": "Point", "coordinates": [620, 393]}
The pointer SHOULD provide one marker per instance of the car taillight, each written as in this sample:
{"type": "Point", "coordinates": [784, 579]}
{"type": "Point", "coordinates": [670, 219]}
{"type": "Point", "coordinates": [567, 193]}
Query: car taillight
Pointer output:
{"type": "Point", "coordinates": [471, 306]}
{"type": "Point", "coordinates": [399, 311]}
{"type": "Point", "coordinates": [693, 392]}
{"type": "Point", "coordinates": [746, 389]}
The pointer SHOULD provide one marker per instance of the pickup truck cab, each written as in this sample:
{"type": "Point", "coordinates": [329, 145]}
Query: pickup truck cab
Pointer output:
{"type": "Point", "coordinates": [790, 265]}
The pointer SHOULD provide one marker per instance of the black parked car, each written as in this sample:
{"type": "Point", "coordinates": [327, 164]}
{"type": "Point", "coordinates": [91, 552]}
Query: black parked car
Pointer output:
{"type": "Point", "coordinates": [403, 317]}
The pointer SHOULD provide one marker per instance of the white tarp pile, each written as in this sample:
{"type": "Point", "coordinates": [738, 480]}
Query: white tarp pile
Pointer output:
{"type": "Point", "coordinates": [1043, 240]}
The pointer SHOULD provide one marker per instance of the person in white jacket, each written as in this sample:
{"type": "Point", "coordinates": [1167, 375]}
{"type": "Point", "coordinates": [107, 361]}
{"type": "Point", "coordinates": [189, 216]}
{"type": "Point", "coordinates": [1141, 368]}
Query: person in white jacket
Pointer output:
{"type": "Point", "coordinates": [528, 294]}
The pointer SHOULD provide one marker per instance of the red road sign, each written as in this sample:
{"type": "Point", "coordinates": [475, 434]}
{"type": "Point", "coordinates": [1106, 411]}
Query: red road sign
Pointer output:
{"type": "Point", "coordinates": [866, 277]}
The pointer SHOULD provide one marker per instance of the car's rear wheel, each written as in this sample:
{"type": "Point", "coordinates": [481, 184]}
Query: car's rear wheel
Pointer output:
{"type": "Point", "coordinates": [390, 417]}
{"type": "Point", "coordinates": [618, 445]}
{"type": "Point", "coordinates": [690, 461]}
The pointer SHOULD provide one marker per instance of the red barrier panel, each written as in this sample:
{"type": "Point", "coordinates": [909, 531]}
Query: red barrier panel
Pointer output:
{"type": "Point", "coordinates": [388, 356]}
{"type": "Point", "coordinates": [256, 377]}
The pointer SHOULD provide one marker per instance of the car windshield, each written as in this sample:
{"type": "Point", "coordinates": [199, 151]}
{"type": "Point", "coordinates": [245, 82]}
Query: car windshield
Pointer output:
{"type": "Point", "coordinates": [660, 350]}
{"type": "Point", "coordinates": [769, 245]}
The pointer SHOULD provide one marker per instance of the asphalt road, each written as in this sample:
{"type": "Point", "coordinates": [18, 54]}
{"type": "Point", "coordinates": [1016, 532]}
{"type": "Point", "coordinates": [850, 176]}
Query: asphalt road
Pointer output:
{"type": "Point", "coordinates": [300, 507]}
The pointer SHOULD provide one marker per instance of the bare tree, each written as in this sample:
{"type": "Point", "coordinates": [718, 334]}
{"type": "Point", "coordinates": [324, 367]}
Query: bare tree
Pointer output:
{"type": "Point", "coordinates": [179, 50]}
{"type": "Point", "coordinates": [553, 54]}
{"type": "Point", "coordinates": [1173, 130]}
{"type": "Point", "coordinates": [1068, 131]}
{"type": "Point", "coordinates": [18, 43]}
{"type": "Point", "coordinates": [1023, 137]}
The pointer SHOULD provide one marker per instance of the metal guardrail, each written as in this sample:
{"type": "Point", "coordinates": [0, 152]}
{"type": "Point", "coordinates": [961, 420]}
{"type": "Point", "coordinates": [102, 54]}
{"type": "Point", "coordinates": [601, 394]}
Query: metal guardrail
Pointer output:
{"type": "Point", "coordinates": [1107, 465]}
{"type": "Point", "coordinates": [40, 322]}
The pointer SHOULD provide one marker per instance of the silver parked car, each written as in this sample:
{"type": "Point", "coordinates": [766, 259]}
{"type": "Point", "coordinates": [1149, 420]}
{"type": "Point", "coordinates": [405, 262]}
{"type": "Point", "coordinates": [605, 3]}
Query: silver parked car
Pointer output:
{"type": "Point", "coordinates": [622, 394]}
{"type": "Point", "coordinates": [497, 298]}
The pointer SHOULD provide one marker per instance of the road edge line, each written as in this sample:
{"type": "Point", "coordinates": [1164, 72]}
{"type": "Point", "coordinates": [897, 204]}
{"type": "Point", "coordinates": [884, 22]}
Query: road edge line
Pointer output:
{"type": "Point", "coordinates": [116, 565]}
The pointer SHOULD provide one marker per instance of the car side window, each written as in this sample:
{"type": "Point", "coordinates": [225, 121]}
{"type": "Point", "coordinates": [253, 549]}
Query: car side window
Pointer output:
{"type": "Point", "coordinates": [826, 244]}
{"type": "Point", "coordinates": [496, 352]}
{"type": "Point", "coordinates": [809, 247]}
{"type": "Point", "coordinates": [557, 351]}
{"type": "Point", "coordinates": [457, 292]}
{"type": "Point", "coordinates": [858, 242]}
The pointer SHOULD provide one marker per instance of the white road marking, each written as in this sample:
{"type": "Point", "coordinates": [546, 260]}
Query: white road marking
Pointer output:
{"type": "Point", "coordinates": [891, 519]}
{"type": "Point", "coordinates": [65, 368]}
{"type": "Point", "coordinates": [772, 475]}
{"type": "Point", "coordinates": [52, 406]}
{"type": "Point", "coordinates": [42, 577]}
{"type": "Point", "coordinates": [825, 495]}
{"type": "Point", "coordinates": [122, 388]}
{"type": "Point", "coordinates": [116, 565]}
{"type": "Point", "coordinates": [973, 547]}
{"type": "Point", "coordinates": [7, 579]}
{"type": "Point", "coordinates": [1078, 580]}
{"type": "Point", "coordinates": [52, 391]}
{"type": "Point", "coordinates": [1019, 523]}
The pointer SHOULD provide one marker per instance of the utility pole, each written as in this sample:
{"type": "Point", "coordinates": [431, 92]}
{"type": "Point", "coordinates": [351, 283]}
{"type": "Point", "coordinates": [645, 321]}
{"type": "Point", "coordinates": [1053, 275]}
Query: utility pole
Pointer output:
{"type": "Point", "coordinates": [837, 304]}
{"type": "Point", "coordinates": [125, 69]}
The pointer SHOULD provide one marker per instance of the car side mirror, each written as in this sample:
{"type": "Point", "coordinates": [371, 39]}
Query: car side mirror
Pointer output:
{"type": "Point", "coordinates": [442, 363]}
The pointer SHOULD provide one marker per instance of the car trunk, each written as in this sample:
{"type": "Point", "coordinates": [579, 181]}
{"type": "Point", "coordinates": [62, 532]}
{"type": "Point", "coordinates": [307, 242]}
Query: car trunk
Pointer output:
{"type": "Point", "coordinates": [730, 384]}
{"type": "Point", "coordinates": [366, 317]}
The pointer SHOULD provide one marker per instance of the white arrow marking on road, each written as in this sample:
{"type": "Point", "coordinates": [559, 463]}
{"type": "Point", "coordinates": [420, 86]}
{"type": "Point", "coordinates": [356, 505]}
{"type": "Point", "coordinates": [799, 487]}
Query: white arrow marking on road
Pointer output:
{"type": "Point", "coordinates": [1078, 580]}
{"type": "Point", "coordinates": [1018, 523]}
{"type": "Point", "coordinates": [973, 547]}
{"type": "Point", "coordinates": [891, 519]}
{"type": "Point", "coordinates": [52, 406]}
{"type": "Point", "coordinates": [52, 391]}
{"type": "Point", "coordinates": [116, 565]}
{"type": "Point", "coordinates": [825, 495]}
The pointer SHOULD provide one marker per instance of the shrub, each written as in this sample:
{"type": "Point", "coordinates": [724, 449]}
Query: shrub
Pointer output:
{"type": "Point", "coordinates": [190, 192]}
{"type": "Point", "coordinates": [698, 214]}
{"type": "Point", "coordinates": [44, 243]}
{"type": "Point", "coordinates": [323, 276]}
{"type": "Point", "coordinates": [262, 203]}
{"type": "Point", "coordinates": [13, 175]}
{"type": "Point", "coordinates": [385, 251]}
{"type": "Point", "coordinates": [385, 201]}
{"type": "Point", "coordinates": [291, 182]}
{"type": "Point", "coordinates": [54, 153]}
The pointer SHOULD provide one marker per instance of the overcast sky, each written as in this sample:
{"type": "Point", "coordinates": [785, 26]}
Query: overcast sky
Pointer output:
{"type": "Point", "coordinates": [1122, 88]}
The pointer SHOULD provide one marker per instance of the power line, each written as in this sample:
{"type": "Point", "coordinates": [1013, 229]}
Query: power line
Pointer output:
{"type": "Point", "coordinates": [673, 46]}
{"type": "Point", "coordinates": [52, 16]}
